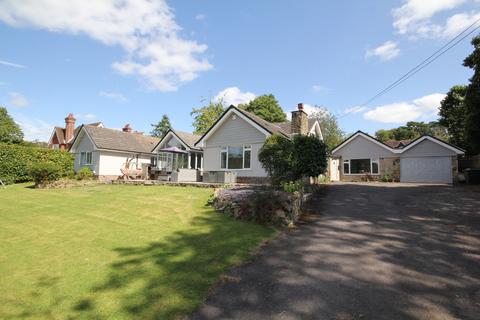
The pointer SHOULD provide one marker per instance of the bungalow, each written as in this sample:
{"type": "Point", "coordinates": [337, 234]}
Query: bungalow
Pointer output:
{"type": "Point", "coordinates": [107, 151]}
{"type": "Point", "coordinates": [424, 160]}
{"type": "Point", "coordinates": [233, 142]}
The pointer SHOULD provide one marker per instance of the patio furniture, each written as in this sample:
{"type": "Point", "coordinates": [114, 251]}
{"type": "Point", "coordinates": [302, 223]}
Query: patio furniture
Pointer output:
{"type": "Point", "coordinates": [129, 173]}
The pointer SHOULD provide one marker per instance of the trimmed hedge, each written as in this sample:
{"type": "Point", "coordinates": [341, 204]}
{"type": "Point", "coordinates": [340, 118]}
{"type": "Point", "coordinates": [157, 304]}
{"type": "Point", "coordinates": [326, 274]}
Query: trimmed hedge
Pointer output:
{"type": "Point", "coordinates": [16, 160]}
{"type": "Point", "coordinates": [44, 172]}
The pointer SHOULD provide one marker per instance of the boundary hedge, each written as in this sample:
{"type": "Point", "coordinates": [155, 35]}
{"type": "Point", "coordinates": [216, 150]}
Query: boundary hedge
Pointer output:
{"type": "Point", "coordinates": [16, 160]}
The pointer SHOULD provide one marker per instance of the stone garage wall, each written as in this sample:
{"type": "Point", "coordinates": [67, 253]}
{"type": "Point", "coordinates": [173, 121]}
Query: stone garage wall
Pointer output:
{"type": "Point", "coordinates": [390, 167]}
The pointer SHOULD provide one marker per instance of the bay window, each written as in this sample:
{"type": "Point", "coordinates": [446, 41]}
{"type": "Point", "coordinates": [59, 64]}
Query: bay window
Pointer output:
{"type": "Point", "coordinates": [236, 157]}
{"type": "Point", "coordinates": [360, 166]}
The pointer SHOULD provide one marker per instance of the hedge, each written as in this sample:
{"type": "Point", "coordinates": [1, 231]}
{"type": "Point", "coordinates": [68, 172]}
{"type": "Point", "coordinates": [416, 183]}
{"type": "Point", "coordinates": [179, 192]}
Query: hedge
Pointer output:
{"type": "Point", "coordinates": [16, 160]}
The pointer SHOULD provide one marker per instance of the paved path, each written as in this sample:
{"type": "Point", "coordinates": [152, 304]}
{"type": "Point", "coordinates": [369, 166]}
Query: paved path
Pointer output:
{"type": "Point", "coordinates": [368, 252]}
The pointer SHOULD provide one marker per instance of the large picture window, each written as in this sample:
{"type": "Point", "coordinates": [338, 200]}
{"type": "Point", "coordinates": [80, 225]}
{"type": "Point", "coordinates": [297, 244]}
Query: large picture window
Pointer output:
{"type": "Point", "coordinates": [360, 166]}
{"type": "Point", "coordinates": [236, 157]}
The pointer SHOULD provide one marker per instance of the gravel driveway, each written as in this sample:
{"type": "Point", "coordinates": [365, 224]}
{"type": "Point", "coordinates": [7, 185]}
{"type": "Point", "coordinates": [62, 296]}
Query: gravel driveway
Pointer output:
{"type": "Point", "coordinates": [366, 251]}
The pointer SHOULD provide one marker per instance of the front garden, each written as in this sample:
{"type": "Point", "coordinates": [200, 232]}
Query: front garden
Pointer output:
{"type": "Point", "coordinates": [114, 251]}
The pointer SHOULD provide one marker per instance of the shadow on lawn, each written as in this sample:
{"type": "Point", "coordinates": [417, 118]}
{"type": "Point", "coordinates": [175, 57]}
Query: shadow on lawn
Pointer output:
{"type": "Point", "coordinates": [169, 278]}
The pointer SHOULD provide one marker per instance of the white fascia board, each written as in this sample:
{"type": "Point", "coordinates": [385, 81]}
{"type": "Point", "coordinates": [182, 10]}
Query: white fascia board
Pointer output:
{"type": "Point", "coordinates": [85, 133]}
{"type": "Point", "coordinates": [443, 144]}
{"type": "Point", "coordinates": [169, 134]}
{"type": "Point", "coordinates": [368, 138]}
{"type": "Point", "coordinates": [201, 143]}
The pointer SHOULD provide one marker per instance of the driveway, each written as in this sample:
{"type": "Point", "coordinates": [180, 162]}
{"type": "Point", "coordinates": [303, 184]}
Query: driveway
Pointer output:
{"type": "Point", "coordinates": [371, 251]}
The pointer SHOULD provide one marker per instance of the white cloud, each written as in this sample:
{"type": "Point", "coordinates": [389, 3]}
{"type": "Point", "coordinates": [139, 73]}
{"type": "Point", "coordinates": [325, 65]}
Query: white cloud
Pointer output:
{"type": "Point", "coordinates": [386, 51]}
{"type": "Point", "coordinates": [200, 17]}
{"type": "Point", "coordinates": [233, 95]}
{"type": "Point", "coordinates": [11, 64]}
{"type": "Point", "coordinates": [457, 23]}
{"type": "Point", "coordinates": [356, 109]}
{"type": "Point", "coordinates": [423, 108]}
{"type": "Point", "coordinates": [34, 129]}
{"type": "Point", "coordinates": [414, 15]}
{"type": "Point", "coordinates": [320, 89]}
{"type": "Point", "coordinates": [154, 49]}
{"type": "Point", "coordinates": [113, 95]}
{"type": "Point", "coordinates": [415, 18]}
{"type": "Point", "coordinates": [18, 100]}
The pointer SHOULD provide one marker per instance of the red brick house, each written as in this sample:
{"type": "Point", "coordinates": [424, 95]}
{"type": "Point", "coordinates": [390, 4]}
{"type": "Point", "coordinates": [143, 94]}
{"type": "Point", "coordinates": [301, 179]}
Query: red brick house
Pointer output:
{"type": "Point", "coordinates": [62, 138]}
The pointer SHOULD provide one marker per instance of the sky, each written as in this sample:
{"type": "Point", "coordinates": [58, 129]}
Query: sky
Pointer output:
{"type": "Point", "coordinates": [131, 61]}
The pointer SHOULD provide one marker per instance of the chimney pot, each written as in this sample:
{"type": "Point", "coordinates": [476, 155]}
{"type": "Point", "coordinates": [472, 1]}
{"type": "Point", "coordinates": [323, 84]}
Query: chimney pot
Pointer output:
{"type": "Point", "coordinates": [127, 128]}
{"type": "Point", "coordinates": [300, 106]}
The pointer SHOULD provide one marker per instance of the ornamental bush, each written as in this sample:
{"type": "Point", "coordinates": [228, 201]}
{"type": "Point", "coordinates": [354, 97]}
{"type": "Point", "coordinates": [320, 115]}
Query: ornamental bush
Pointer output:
{"type": "Point", "coordinates": [84, 174]}
{"type": "Point", "coordinates": [43, 172]}
{"type": "Point", "coordinates": [291, 160]}
{"type": "Point", "coordinates": [15, 161]}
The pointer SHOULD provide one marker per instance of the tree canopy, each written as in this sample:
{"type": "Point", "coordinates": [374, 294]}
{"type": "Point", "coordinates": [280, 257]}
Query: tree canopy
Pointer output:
{"type": "Point", "coordinates": [452, 115]}
{"type": "Point", "coordinates": [412, 130]}
{"type": "Point", "coordinates": [160, 128]}
{"type": "Point", "coordinates": [332, 134]}
{"type": "Point", "coordinates": [472, 99]}
{"type": "Point", "coordinates": [205, 117]}
{"type": "Point", "coordinates": [10, 132]}
{"type": "Point", "coordinates": [266, 107]}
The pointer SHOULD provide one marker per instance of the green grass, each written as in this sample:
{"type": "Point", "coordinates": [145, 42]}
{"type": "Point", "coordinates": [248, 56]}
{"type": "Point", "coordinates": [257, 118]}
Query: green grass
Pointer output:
{"type": "Point", "coordinates": [114, 252]}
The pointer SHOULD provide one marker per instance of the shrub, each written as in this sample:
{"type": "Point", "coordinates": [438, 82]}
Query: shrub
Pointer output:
{"type": "Point", "coordinates": [84, 174]}
{"type": "Point", "coordinates": [386, 178]}
{"type": "Point", "coordinates": [15, 161]}
{"type": "Point", "coordinates": [292, 186]}
{"type": "Point", "coordinates": [288, 160]}
{"type": "Point", "coordinates": [43, 172]}
{"type": "Point", "coordinates": [276, 157]}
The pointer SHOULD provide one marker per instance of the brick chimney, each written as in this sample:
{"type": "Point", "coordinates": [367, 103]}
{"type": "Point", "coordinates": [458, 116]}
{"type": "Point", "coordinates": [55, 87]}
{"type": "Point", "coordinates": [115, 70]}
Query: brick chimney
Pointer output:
{"type": "Point", "coordinates": [69, 127]}
{"type": "Point", "coordinates": [127, 128]}
{"type": "Point", "coordinates": [299, 124]}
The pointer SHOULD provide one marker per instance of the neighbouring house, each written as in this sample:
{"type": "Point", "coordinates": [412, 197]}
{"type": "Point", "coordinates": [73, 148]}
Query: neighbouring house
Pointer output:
{"type": "Point", "coordinates": [62, 138]}
{"type": "Point", "coordinates": [427, 159]}
{"type": "Point", "coordinates": [106, 151]}
{"type": "Point", "coordinates": [233, 142]}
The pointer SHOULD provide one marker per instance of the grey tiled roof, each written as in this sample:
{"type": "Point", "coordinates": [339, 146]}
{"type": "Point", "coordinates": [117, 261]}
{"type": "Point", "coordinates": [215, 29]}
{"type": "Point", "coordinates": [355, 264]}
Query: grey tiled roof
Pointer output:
{"type": "Point", "coordinates": [279, 128]}
{"type": "Point", "coordinates": [188, 138]}
{"type": "Point", "coordinates": [111, 139]}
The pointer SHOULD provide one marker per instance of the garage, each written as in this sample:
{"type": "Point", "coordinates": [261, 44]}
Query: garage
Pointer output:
{"type": "Point", "coordinates": [426, 169]}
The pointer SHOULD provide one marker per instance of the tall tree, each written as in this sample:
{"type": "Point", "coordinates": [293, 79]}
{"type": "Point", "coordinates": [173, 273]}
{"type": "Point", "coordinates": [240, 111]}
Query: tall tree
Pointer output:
{"type": "Point", "coordinates": [412, 130]}
{"type": "Point", "coordinates": [266, 107]}
{"type": "Point", "coordinates": [161, 127]}
{"type": "Point", "coordinates": [332, 134]}
{"type": "Point", "coordinates": [472, 99]}
{"type": "Point", "coordinates": [9, 130]}
{"type": "Point", "coordinates": [205, 117]}
{"type": "Point", "coordinates": [452, 115]}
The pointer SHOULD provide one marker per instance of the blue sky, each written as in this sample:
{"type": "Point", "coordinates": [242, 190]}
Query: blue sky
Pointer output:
{"type": "Point", "coordinates": [133, 61]}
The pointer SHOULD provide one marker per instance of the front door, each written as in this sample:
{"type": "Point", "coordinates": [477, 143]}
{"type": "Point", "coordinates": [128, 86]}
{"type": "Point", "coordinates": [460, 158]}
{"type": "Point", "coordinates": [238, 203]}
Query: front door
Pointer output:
{"type": "Point", "coordinates": [334, 170]}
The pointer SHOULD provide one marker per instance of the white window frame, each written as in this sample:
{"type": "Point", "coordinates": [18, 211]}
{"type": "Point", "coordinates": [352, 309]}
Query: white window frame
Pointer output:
{"type": "Point", "coordinates": [245, 147]}
{"type": "Point", "coordinates": [377, 161]}
{"type": "Point", "coordinates": [84, 158]}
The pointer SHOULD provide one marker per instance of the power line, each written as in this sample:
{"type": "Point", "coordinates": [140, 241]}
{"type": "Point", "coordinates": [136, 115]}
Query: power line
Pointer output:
{"type": "Point", "coordinates": [437, 54]}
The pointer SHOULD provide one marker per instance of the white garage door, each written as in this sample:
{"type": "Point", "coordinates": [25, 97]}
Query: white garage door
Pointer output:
{"type": "Point", "coordinates": [426, 169]}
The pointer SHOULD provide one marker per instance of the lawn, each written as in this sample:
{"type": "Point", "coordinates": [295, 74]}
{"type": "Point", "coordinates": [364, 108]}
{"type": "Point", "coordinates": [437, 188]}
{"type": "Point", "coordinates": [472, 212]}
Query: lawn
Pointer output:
{"type": "Point", "coordinates": [114, 251]}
